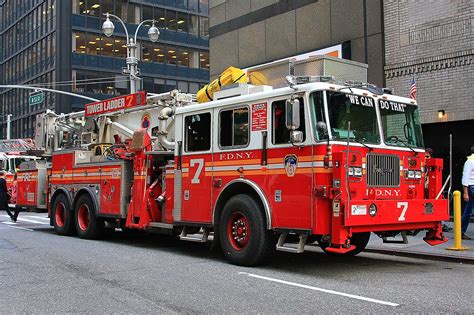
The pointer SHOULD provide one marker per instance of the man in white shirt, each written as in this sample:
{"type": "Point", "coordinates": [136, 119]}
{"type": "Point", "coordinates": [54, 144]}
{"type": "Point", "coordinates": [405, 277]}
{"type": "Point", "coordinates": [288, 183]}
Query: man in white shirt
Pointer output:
{"type": "Point", "coordinates": [468, 192]}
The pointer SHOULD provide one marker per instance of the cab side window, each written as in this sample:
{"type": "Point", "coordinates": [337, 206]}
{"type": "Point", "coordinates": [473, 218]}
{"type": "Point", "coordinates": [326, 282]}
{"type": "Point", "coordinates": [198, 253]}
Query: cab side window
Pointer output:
{"type": "Point", "coordinates": [281, 134]}
{"type": "Point", "coordinates": [318, 100]}
{"type": "Point", "coordinates": [234, 127]}
{"type": "Point", "coordinates": [197, 132]}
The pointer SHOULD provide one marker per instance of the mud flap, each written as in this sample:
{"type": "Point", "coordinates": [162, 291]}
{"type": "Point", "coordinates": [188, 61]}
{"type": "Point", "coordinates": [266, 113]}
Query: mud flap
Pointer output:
{"type": "Point", "coordinates": [340, 250]}
{"type": "Point", "coordinates": [435, 236]}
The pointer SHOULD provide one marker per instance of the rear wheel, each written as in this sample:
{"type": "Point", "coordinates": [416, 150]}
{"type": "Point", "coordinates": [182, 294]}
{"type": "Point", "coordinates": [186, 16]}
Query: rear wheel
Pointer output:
{"type": "Point", "coordinates": [243, 234]}
{"type": "Point", "coordinates": [62, 216]}
{"type": "Point", "coordinates": [359, 240]}
{"type": "Point", "coordinates": [88, 226]}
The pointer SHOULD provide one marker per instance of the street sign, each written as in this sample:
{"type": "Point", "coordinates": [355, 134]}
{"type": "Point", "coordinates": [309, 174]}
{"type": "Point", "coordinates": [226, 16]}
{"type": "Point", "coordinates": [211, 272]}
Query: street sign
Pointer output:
{"type": "Point", "coordinates": [36, 98]}
{"type": "Point", "coordinates": [115, 104]}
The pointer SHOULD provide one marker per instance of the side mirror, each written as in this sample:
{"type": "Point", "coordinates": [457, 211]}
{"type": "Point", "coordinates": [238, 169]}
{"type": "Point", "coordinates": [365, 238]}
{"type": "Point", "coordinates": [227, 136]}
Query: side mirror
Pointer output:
{"type": "Point", "coordinates": [292, 120]}
{"type": "Point", "coordinates": [322, 128]}
{"type": "Point", "coordinates": [296, 136]}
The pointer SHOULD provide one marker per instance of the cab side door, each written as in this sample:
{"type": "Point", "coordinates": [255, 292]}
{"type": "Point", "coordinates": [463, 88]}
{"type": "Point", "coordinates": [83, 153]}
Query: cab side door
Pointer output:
{"type": "Point", "coordinates": [196, 156]}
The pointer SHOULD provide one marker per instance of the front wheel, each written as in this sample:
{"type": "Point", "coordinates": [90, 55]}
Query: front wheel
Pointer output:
{"type": "Point", "coordinates": [243, 233]}
{"type": "Point", "coordinates": [359, 240]}
{"type": "Point", "coordinates": [88, 226]}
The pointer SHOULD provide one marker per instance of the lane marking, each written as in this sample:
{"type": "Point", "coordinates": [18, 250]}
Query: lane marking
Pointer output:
{"type": "Point", "coordinates": [20, 219]}
{"type": "Point", "coordinates": [352, 296]}
{"type": "Point", "coordinates": [30, 221]}
{"type": "Point", "coordinates": [12, 225]}
{"type": "Point", "coordinates": [35, 217]}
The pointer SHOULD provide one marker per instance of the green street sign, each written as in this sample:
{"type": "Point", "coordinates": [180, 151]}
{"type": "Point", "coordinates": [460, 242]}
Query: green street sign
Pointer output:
{"type": "Point", "coordinates": [36, 98]}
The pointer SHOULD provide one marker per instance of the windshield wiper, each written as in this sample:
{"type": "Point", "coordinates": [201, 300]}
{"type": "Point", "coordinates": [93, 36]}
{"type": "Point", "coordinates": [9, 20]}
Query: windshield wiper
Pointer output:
{"type": "Point", "coordinates": [363, 143]}
{"type": "Point", "coordinates": [402, 142]}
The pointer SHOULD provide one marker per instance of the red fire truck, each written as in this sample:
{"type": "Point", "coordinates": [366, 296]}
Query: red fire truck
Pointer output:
{"type": "Point", "coordinates": [256, 169]}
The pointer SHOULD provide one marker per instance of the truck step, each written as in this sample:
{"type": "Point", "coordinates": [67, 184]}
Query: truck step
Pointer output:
{"type": "Point", "coordinates": [404, 239]}
{"type": "Point", "coordinates": [285, 248]}
{"type": "Point", "coordinates": [200, 238]}
{"type": "Point", "coordinates": [161, 225]}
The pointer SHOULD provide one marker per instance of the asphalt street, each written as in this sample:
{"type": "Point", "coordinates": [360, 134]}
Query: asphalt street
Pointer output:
{"type": "Point", "coordinates": [41, 272]}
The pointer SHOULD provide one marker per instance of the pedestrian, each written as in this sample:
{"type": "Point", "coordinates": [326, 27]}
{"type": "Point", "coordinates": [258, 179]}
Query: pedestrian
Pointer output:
{"type": "Point", "coordinates": [13, 196]}
{"type": "Point", "coordinates": [468, 192]}
{"type": "Point", "coordinates": [428, 153]}
{"type": "Point", "coordinates": [4, 196]}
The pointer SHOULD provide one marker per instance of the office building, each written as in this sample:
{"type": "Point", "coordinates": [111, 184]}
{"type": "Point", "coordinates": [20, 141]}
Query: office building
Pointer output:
{"type": "Point", "coordinates": [60, 45]}
{"type": "Point", "coordinates": [250, 32]}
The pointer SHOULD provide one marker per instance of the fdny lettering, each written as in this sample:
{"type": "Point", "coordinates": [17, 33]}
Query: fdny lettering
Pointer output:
{"type": "Point", "coordinates": [386, 192]}
{"type": "Point", "coordinates": [235, 156]}
{"type": "Point", "coordinates": [360, 100]}
{"type": "Point", "coordinates": [393, 106]}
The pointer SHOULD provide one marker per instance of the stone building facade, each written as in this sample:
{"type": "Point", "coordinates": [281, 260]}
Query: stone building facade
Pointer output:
{"type": "Point", "coordinates": [432, 41]}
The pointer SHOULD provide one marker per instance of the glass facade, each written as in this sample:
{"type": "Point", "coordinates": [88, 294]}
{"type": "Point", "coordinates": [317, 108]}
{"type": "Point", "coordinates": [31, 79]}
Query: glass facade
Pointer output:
{"type": "Point", "coordinates": [28, 53]}
{"type": "Point", "coordinates": [28, 56]}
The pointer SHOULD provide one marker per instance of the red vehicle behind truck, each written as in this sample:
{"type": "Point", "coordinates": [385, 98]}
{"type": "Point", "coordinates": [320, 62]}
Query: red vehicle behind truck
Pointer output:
{"type": "Point", "coordinates": [256, 169]}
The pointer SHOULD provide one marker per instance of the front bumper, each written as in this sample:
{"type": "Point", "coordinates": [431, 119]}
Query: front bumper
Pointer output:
{"type": "Point", "coordinates": [396, 214]}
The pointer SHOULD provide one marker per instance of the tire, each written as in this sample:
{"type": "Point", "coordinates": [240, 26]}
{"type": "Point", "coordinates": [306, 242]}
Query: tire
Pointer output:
{"type": "Point", "coordinates": [243, 234]}
{"type": "Point", "coordinates": [88, 225]}
{"type": "Point", "coordinates": [360, 240]}
{"type": "Point", "coordinates": [62, 216]}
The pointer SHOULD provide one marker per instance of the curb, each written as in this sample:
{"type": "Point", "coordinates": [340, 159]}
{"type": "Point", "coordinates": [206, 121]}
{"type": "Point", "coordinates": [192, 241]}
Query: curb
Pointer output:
{"type": "Point", "coordinates": [447, 258]}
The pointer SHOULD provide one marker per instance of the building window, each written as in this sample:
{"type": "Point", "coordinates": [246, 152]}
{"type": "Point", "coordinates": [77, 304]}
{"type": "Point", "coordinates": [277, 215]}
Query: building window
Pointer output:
{"type": "Point", "coordinates": [92, 8]}
{"type": "Point", "coordinates": [204, 6]}
{"type": "Point", "coordinates": [204, 26]}
{"type": "Point", "coordinates": [204, 60]}
{"type": "Point", "coordinates": [198, 132]}
{"type": "Point", "coordinates": [171, 20]}
{"type": "Point", "coordinates": [183, 57]}
{"type": "Point", "coordinates": [182, 22]}
{"type": "Point", "coordinates": [159, 17]}
{"type": "Point", "coordinates": [238, 134]}
{"type": "Point", "coordinates": [193, 5]}
{"type": "Point", "coordinates": [193, 25]}
{"type": "Point", "coordinates": [171, 55]}
{"type": "Point", "coordinates": [159, 53]}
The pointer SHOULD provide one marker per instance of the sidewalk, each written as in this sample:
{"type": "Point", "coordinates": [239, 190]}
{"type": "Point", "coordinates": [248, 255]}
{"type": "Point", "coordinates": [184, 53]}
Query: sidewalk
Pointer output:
{"type": "Point", "coordinates": [418, 248]}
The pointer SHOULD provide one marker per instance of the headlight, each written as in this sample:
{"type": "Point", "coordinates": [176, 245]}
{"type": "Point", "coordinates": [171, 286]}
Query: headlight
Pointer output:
{"type": "Point", "coordinates": [418, 174]}
{"type": "Point", "coordinates": [411, 174]}
{"type": "Point", "coordinates": [358, 171]}
{"type": "Point", "coordinates": [372, 210]}
{"type": "Point", "coordinates": [351, 171]}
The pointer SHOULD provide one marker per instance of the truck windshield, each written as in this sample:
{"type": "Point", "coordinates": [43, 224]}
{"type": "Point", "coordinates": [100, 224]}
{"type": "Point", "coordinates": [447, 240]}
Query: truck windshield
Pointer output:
{"type": "Point", "coordinates": [401, 124]}
{"type": "Point", "coordinates": [359, 110]}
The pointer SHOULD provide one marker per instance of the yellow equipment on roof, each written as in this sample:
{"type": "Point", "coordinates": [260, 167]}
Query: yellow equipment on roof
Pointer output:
{"type": "Point", "coordinates": [230, 76]}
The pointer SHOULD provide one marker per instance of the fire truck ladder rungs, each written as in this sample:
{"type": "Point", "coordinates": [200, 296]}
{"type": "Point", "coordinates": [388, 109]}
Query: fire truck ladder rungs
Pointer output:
{"type": "Point", "coordinates": [298, 249]}
{"type": "Point", "coordinates": [200, 238]}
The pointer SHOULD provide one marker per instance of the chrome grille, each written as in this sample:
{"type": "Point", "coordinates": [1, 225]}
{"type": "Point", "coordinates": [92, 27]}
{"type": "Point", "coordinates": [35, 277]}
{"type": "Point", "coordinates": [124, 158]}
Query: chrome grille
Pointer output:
{"type": "Point", "coordinates": [383, 170]}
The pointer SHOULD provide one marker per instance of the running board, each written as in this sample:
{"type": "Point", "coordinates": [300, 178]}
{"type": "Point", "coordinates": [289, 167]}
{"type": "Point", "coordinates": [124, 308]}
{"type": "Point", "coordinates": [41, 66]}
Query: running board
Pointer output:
{"type": "Point", "coordinates": [161, 225]}
{"type": "Point", "coordinates": [404, 239]}
{"type": "Point", "coordinates": [196, 237]}
{"type": "Point", "coordinates": [299, 248]}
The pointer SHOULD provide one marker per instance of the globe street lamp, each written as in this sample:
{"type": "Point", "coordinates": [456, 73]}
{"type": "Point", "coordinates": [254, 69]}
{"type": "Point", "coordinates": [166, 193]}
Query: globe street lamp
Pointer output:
{"type": "Point", "coordinates": [132, 58]}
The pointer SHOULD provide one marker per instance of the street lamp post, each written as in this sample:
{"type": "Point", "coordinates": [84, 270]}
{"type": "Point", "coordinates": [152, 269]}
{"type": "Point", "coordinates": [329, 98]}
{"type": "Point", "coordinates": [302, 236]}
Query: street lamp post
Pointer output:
{"type": "Point", "coordinates": [132, 57]}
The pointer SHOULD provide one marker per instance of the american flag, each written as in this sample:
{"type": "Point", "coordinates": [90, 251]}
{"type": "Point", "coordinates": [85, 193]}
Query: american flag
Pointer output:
{"type": "Point", "coordinates": [413, 89]}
